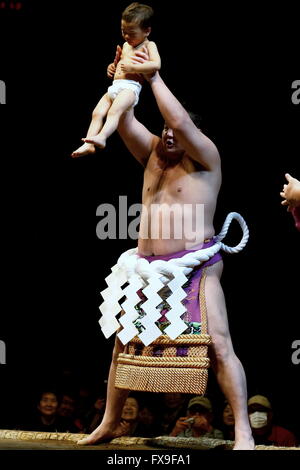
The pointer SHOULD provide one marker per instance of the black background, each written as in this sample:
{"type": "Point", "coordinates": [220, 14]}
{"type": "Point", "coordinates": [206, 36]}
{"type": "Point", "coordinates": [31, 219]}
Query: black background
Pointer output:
{"type": "Point", "coordinates": [234, 65]}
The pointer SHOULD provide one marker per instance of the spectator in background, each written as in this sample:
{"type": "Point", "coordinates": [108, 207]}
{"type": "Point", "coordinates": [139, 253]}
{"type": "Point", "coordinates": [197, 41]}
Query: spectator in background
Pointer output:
{"type": "Point", "coordinates": [291, 198]}
{"type": "Point", "coordinates": [85, 403]}
{"type": "Point", "coordinates": [136, 420]}
{"type": "Point", "coordinates": [130, 415]}
{"type": "Point", "coordinates": [263, 429]}
{"type": "Point", "coordinates": [94, 416]}
{"type": "Point", "coordinates": [228, 422]}
{"type": "Point", "coordinates": [45, 417]}
{"type": "Point", "coordinates": [170, 407]}
{"type": "Point", "coordinates": [67, 406]}
{"type": "Point", "coordinates": [66, 412]}
{"type": "Point", "coordinates": [197, 421]}
{"type": "Point", "coordinates": [147, 421]}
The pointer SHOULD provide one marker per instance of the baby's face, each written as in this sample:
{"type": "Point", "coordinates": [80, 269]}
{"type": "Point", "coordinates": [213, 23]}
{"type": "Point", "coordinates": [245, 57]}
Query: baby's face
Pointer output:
{"type": "Point", "coordinates": [133, 34]}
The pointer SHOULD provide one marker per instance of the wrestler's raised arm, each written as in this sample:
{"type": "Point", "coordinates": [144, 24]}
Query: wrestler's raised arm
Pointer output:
{"type": "Point", "coordinates": [137, 138]}
{"type": "Point", "coordinates": [195, 143]}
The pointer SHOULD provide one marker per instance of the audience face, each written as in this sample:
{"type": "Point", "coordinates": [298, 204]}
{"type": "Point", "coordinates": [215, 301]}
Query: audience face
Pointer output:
{"type": "Point", "coordinates": [130, 409]}
{"type": "Point", "coordinates": [202, 418]}
{"type": "Point", "coordinates": [84, 401]}
{"type": "Point", "coordinates": [67, 407]}
{"type": "Point", "coordinates": [173, 400]}
{"type": "Point", "coordinates": [146, 417]}
{"type": "Point", "coordinates": [48, 404]}
{"type": "Point", "coordinates": [228, 418]}
{"type": "Point", "coordinates": [260, 418]}
{"type": "Point", "coordinates": [196, 410]}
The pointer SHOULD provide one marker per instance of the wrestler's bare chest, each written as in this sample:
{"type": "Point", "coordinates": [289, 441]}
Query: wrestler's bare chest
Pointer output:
{"type": "Point", "coordinates": [176, 183]}
{"type": "Point", "coordinates": [170, 203]}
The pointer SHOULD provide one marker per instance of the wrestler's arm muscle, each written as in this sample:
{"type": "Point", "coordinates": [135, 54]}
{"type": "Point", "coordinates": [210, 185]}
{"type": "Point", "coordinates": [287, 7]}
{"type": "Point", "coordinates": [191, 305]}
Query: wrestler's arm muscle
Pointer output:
{"type": "Point", "coordinates": [199, 147]}
{"type": "Point", "coordinates": [139, 141]}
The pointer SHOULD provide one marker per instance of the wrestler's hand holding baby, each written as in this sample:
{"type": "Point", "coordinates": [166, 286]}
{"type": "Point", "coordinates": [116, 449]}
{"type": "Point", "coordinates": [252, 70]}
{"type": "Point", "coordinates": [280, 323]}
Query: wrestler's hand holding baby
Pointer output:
{"type": "Point", "coordinates": [140, 57]}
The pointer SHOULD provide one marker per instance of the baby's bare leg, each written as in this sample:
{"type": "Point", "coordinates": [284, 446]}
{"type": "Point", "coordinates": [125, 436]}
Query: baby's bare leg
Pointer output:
{"type": "Point", "coordinates": [96, 125]}
{"type": "Point", "coordinates": [124, 100]}
{"type": "Point", "coordinates": [227, 367]}
{"type": "Point", "coordinates": [110, 426]}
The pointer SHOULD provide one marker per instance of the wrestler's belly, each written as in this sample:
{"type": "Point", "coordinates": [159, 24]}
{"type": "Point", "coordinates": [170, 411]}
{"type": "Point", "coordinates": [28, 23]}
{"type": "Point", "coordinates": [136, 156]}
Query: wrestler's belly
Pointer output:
{"type": "Point", "coordinates": [148, 247]}
{"type": "Point", "coordinates": [164, 231]}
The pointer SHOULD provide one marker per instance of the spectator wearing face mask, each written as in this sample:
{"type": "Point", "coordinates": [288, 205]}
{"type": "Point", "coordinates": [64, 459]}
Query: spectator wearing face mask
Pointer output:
{"type": "Point", "coordinates": [261, 421]}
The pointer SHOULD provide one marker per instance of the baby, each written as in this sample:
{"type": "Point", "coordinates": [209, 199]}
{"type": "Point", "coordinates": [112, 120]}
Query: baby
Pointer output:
{"type": "Point", "coordinates": [128, 77]}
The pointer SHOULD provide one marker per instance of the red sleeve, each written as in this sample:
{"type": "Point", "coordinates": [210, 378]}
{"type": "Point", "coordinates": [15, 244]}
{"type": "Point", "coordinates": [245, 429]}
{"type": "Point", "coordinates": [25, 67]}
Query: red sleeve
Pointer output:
{"type": "Point", "coordinates": [282, 437]}
{"type": "Point", "coordinates": [296, 214]}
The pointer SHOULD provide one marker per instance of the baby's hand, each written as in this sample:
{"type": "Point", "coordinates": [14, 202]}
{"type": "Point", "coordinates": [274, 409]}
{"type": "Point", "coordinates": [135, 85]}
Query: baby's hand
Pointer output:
{"type": "Point", "coordinates": [111, 70]}
{"type": "Point", "coordinates": [118, 55]}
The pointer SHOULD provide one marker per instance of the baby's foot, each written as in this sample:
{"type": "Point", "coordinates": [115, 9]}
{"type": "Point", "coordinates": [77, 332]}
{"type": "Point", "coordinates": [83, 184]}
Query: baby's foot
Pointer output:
{"type": "Point", "coordinates": [96, 140]}
{"type": "Point", "coordinates": [85, 149]}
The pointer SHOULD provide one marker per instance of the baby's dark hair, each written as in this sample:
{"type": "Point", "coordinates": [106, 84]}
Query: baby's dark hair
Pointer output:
{"type": "Point", "coordinates": [139, 14]}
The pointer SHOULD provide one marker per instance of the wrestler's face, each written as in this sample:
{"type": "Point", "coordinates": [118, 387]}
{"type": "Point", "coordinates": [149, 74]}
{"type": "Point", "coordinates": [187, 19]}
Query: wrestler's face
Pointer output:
{"type": "Point", "coordinates": [134, 34]}
{"type": "Point", "coordinates": [170, 143]}
{"type": "Point", "coordinates": [48, 404]}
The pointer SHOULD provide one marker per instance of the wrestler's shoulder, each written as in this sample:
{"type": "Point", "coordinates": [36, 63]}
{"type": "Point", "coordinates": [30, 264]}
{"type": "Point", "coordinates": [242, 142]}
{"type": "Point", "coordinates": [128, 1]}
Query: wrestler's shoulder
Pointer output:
{"type": "Point", "coordinates": [156, 148]}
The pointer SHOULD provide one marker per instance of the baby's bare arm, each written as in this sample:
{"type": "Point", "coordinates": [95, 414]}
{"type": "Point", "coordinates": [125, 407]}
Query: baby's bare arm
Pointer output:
{"type": "Point", "coordinates": [111, 69]}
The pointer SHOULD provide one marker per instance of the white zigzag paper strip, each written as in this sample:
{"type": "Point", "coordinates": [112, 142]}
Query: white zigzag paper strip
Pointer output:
{"type": "Point", "coordinates": [110, 307]}
{"type": "Point", "coordinates": [129, 330]}
{"type": "Point", "coordinates": [151, 331]}
{"type": "Point", "coordinates": [177, 325]}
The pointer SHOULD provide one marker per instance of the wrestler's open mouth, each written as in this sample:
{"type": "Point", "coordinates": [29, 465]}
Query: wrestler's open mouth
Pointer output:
{"type": "Point", "coordinates": [169, 143]}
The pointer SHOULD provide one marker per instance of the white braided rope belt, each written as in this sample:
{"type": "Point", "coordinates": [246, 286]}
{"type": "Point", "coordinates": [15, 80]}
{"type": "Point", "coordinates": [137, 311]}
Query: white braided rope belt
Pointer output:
{"type": "Point", "coordinates": [151, 277]}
